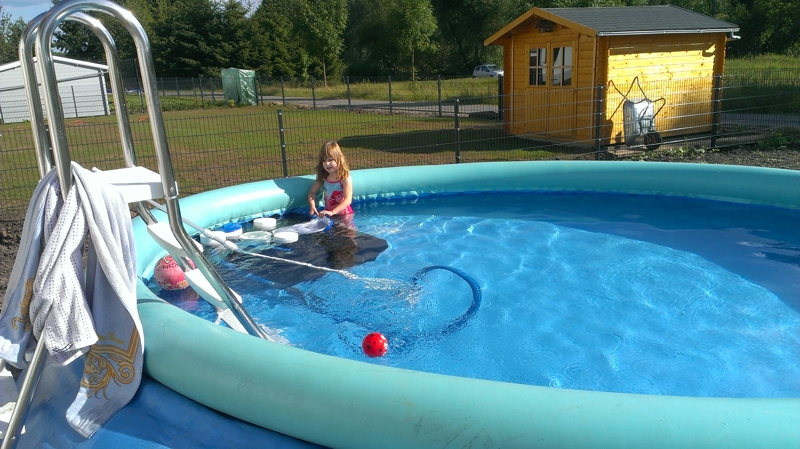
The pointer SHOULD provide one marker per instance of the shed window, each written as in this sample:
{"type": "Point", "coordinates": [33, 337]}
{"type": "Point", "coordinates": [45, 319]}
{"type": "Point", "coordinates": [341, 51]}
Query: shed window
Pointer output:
{"type": "Point", "coordinates": [537, 67]}
{"type": "Point", "coordinates": [562, 66]}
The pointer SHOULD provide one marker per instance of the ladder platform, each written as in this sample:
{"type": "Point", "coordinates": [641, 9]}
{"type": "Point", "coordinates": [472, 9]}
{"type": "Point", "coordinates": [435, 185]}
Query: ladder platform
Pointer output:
{"type": "Point", "coordinates": [135, 183]}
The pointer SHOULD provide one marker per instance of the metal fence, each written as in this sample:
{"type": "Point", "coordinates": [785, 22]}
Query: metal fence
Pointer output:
{"type": "Point", "coordinates": [218, 147]}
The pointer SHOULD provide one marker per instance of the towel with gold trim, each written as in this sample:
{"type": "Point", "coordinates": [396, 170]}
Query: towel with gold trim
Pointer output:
{"type": "Point", "coordinates": [86, 313]}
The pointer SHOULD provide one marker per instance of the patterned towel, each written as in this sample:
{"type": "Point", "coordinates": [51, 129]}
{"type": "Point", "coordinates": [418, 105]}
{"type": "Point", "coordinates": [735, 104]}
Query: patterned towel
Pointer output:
{"type": "Point", "coordinates": [89, 314]}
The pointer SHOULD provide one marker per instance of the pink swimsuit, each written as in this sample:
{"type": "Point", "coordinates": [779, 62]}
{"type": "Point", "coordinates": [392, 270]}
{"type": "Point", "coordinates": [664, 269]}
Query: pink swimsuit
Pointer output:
{"type": "Point", "coordinates": [334, 195]}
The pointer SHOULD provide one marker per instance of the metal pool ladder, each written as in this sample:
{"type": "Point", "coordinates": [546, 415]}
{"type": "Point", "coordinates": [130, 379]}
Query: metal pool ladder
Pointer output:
{"type": "Point", "coordinates": [137, 184]}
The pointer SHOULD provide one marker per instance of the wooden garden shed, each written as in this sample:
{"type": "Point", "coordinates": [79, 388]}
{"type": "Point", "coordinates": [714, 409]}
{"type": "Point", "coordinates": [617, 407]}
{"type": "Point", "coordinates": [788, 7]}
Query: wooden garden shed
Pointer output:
{"type": "Point", "coordinates": [555, 59]}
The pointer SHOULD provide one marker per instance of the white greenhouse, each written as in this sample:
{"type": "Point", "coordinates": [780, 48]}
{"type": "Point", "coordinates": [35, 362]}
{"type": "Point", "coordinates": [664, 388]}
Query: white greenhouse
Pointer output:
{"type": "Point", "coordinates": [81, 84]}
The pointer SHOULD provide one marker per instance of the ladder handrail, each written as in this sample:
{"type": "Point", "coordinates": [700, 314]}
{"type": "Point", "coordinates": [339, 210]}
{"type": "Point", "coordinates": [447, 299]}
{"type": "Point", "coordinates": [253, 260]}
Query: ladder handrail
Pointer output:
{"type": "Point", "coordinates": [40, 31]}
{"type": "Point", "coordinates": [57, 130]}
{"type": "Point", "coordinates": [41, 138]}
{"type": "Point", "coordinates": [41, 141]}
{"type": "Point", "coordinates": [44, 39]}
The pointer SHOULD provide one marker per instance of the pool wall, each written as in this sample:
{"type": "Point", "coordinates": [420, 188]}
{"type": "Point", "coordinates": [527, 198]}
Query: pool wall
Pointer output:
{"type": "Point", "coordinates": [344, 403]}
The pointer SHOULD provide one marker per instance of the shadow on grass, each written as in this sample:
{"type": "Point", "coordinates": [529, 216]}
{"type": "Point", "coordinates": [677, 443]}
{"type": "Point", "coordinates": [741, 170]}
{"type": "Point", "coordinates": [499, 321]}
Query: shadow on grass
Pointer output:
{"type": "Point", "coordinates": [478, 139]}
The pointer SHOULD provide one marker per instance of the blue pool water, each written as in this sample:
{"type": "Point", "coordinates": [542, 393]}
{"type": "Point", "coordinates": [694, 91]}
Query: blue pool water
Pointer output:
{"type": "Point", "coordinates": [614, 293]}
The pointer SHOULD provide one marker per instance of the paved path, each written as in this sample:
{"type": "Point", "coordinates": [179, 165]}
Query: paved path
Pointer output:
{"type": "Point", "coordinates": [446, 108]}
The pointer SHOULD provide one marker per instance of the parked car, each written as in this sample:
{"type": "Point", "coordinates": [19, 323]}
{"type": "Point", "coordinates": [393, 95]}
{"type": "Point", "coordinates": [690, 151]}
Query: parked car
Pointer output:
{"type": "Point", "coordinates": [486, 70]}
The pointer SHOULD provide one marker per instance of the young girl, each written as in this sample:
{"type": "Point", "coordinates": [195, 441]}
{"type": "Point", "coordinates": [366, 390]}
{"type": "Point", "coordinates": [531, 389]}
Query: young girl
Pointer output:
{"type": "Point", "coordinates": [333, 175]}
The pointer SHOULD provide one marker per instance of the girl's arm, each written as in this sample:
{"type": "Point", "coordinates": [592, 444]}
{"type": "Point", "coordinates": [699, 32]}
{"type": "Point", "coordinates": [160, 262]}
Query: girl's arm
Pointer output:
{"type": "Point", "coordinates": [312, 198]}
{"type": "Point", "coordinates": [347, 186]}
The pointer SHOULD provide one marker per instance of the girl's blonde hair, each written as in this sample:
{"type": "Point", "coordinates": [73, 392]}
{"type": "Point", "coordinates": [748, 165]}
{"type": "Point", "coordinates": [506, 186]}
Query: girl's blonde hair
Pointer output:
{"type": "Point", "coordinates": [331, 150]}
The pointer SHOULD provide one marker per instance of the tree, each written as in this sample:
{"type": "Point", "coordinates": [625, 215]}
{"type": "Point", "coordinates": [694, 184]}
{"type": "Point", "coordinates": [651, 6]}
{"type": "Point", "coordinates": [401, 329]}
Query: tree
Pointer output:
{"type": "Point", "coordinates": [413, 24]}
{"type": "Point", "coordinates": [237, 30]}
{"type": "Point", "coordinates": [278, 53]}
{"type": "Point", "coordinates": [10, 33]}
{"type": "Point", "coordinates": [187, 38]}
{"type": "Point", "coordinates": [465, 24]}
{"type": "Point", "coordinates": [369, 48]}
{"type": "Point", "coordinates": [766, 26]}
{"type": "Point", "coordinates": [76, 41]}
{"type": "Point", "coordinates": [321, 23]}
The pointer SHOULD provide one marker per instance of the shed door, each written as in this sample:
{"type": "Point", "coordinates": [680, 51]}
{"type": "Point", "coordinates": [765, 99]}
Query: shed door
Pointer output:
{"type": "Point", "coordinates": [549, 103]}
{"type": "Point", "coordinates": [562, 92]}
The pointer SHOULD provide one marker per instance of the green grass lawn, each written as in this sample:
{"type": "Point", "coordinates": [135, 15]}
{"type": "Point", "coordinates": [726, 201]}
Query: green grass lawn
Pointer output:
{"type": "Point", "coordinates": [212, 148]}
{"type": "Point", "coordinates": [763, 62]}
{"type": "Point", "coordinates": [215, 143]}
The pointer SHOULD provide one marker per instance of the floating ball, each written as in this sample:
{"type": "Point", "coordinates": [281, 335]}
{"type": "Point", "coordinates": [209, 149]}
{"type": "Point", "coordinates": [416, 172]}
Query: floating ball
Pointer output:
{"type": "Point", "coordinates": [169, 275]}
{"type": "Point", "coordinates": [375, 345]}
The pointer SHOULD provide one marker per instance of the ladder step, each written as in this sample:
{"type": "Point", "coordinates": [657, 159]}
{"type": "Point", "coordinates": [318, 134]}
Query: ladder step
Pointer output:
{"type": "Point", "coordinates": [135, 183]}
{"type": "Point", "coordinates": [162, 234]}
{"type": "Point", "coordinates": [201, 285]}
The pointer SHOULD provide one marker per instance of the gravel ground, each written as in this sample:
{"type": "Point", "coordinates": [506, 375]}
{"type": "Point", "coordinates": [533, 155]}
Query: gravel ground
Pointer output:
{"type": "Point", "coordinates": [785, 157]}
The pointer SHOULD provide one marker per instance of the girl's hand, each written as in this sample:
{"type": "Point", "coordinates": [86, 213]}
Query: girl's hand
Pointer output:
{"type": "Point", "coordinates": [325, 213]}
{"type": "Point", "coordinates": [313, 211]}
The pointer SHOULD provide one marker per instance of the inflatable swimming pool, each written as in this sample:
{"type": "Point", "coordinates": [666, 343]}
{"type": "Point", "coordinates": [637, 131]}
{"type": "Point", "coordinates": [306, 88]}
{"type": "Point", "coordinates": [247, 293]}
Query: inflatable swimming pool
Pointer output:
{"type": "Point", "coordinates": [343, 403]}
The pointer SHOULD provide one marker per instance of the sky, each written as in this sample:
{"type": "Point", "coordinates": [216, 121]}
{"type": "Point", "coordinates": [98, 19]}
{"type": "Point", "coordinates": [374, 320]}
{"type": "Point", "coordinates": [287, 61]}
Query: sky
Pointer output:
{"type": "Point", "coordinates": [27, 9]}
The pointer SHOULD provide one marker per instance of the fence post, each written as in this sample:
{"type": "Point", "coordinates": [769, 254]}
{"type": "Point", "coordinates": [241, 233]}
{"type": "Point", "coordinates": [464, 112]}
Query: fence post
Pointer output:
{"type": "Point", "coordinates": [283, 92]}
{"type": "Point", "coordinates": [74, 102]}
{"type": "Point", "coordinates": [177, 88]}
{"type": "Point", "coordinates": [105, 96]}
{"type": "Point", "coordinates": [458, 132]}
{"type": "Point", "coordinates": [139, 88]}
{"type": "Point", "coordinates": [598, 120]}
{"type": "Point", "coordinates": [347, 80]}
{"type": "Point", "coordinates": [391, 111]}
{"type": "Point", "coordinates": [283, 144]}
{"type": "Point", "coordinates": [715, 117]}
{"type": "Point", "coordinates": [202, 98]}
{"type": "Point", "coordinates": [259, 98]}
{"type": "Point", "coordinates": [213, 95]}
{"type": "Point", "coordinates": [439, 89]}
{"type": "Point", "coordinates": [313, 93]}
{"type": "Point", "coordinates": [500, 95]}
{"type": "Point", "coordinates": [162, 86]}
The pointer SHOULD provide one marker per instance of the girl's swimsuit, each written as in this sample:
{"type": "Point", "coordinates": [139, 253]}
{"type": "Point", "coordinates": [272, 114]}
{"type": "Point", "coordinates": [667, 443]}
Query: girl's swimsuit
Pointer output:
{"type": "Point", "coordinates": [334, 195]}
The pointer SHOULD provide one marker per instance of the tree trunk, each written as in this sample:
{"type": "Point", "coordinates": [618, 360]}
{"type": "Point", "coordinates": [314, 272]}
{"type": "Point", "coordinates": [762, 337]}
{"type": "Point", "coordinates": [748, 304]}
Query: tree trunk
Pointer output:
{"type": "Point", "coordinates": [412, 66]}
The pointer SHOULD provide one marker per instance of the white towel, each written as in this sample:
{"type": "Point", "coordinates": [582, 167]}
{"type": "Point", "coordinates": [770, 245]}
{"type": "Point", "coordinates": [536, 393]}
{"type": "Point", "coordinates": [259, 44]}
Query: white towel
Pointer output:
{"type": "Point", "coordinates": [89, 313]}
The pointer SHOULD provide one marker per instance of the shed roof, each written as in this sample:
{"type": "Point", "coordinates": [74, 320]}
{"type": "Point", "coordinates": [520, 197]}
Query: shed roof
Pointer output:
{"type": "Point", "coordinates": [60, 60]}
{"type": "Point", "coordinates": [622, 21]}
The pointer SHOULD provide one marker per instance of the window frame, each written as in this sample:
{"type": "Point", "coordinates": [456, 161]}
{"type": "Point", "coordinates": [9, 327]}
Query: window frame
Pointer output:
{"type": "Point", "coordinates": [548, 70]}
{"type": "Point", "coordinates": [537, 72]}
{"type": "Point", "coordinates": [562, 68]}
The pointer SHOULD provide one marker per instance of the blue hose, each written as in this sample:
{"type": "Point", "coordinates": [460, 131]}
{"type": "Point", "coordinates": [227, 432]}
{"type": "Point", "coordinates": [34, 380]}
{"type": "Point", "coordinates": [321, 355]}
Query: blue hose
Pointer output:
{"type": "Point", "coordinates": [310, 299]}
{"type": "Point", "coordinates": [477, 296]}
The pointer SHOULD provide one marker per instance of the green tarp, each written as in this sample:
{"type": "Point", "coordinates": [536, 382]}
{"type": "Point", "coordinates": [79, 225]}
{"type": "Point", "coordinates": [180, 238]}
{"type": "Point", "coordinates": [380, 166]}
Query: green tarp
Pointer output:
{"type": "Point", "coordinates": [240, 86]}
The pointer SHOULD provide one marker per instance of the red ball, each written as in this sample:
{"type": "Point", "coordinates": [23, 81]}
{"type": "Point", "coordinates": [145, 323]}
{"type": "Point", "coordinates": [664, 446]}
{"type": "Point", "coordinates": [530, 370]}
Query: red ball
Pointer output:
{"type": "Point", "coordinates": [375, 345]}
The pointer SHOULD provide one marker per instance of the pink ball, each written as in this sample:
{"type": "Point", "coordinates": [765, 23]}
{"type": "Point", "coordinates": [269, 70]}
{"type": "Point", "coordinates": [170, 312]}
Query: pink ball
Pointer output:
{"type": "Point", "coordinates": [169, 275]}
